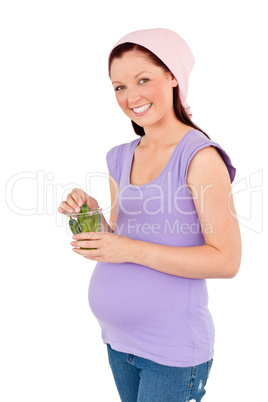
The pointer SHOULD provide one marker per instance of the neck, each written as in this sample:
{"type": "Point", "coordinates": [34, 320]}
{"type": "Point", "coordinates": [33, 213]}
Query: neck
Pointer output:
{"type": "Point", "coordinates": [164, 133]}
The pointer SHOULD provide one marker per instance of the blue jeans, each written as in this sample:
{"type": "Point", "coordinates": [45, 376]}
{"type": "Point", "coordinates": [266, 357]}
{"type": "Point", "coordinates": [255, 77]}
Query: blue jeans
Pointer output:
{"type": "Point", "coordinates": [141, 380]}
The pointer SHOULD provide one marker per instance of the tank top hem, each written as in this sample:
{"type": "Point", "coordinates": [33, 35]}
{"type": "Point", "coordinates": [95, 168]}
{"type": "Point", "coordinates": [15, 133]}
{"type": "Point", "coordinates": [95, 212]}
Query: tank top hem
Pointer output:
{"type": "Point", "coordinates": [158, 359]}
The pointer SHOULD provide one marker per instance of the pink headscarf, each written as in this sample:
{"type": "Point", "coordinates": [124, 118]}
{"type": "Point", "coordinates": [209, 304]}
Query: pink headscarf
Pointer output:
{"type": "Point", "coordinates": [172, 49]}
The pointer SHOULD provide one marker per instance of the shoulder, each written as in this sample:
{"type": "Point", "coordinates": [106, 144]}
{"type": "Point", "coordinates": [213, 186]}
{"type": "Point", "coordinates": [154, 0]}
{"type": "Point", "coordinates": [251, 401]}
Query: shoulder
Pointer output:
{"type": "Point", "coordinates": [202, 155]}
{"type": "Point", "coordinates": [207, 167]}
{"type": "Point", "coordinates": [208, 171]}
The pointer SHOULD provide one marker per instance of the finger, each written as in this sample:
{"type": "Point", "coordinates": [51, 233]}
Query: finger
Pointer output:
{"type": "Point", "coordinates": [91, 202]}
{"type": "Point", "coordinates": [82, 198]}
{"type": "Point", "coordinates": [86, 244]}
{"type": "Point", "coordinates": [72, 203]}
{"type": "Point", "coordinates": [87, 253]}
{"type": "Point", "coordinates": [78, 197]}
{"type": "Point", "coordinates": [89, 235]}
{"type": "Point", "coordinates": [65, 207]}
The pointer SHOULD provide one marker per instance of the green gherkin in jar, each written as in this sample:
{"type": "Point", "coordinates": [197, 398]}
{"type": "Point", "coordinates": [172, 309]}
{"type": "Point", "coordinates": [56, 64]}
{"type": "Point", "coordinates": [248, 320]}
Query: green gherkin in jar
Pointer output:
{"type": "Point", "coordinates": [87, 222]}
{"type": "Point", "coordinates": [74, 226]}
{"type": "Point", "coordinates": [96, 223]}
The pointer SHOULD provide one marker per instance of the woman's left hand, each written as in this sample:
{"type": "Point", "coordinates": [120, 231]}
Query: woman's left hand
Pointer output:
{"type": "Point", "coordinates": [109, 246]}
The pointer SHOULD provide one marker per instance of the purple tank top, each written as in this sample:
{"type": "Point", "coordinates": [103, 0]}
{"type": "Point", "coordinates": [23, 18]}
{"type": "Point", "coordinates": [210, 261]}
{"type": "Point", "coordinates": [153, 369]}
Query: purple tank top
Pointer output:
{"type": "Point", "coordinates": [141, 311]}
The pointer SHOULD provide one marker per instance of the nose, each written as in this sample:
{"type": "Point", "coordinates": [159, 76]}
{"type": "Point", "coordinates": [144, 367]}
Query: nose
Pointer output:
{"type": "Point", "coordinates": [133, 96]}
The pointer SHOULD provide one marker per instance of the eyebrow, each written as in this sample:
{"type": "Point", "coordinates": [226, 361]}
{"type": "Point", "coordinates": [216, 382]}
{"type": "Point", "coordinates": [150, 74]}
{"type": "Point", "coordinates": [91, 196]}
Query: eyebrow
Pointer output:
{"type": "Point", "coordinates": [118, 82]}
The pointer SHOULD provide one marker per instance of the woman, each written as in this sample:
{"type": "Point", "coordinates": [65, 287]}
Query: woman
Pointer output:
{"type": "Point", "coordinates": [173, 225]}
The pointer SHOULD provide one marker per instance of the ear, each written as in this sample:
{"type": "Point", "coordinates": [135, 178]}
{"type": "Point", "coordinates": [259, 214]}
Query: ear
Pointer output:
{"type": "Point", "coordinates": [173, 80]}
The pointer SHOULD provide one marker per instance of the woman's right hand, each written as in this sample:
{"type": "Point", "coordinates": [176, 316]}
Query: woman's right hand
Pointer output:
{"type": "Point", "coordinates": [75, 200]}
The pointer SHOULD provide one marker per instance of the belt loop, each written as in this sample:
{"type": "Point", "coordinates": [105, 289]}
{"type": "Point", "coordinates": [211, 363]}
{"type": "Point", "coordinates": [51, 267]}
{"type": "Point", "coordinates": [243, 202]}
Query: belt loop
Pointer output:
{"type": "Point", "coordinates": [130, 358]}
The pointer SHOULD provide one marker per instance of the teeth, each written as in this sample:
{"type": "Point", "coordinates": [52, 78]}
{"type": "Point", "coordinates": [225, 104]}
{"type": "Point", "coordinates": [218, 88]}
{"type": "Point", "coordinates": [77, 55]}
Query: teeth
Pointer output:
{"type": "Point", "coordinates": [142, 108]}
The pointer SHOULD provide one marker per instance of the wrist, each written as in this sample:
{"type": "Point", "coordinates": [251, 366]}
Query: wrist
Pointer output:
{"type": "Point", "coordinates": [133, 250]}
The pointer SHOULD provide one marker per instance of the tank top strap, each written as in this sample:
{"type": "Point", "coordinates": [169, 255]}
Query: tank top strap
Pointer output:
{"type": "Point", "coordinates": [118, 159]}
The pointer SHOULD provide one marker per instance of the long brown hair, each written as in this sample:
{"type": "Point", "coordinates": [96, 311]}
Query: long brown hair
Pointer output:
{"type": "Point", "coordinates": [180, 113]}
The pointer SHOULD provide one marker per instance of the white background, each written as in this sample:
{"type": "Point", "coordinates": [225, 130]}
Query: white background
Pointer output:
{"type": "Point", "coordinates": [59, 118]}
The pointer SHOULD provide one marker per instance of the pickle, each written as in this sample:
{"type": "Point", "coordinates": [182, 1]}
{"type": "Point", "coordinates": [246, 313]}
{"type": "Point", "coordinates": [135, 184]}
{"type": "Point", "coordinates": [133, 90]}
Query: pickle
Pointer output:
{"type": "Point", "coordinates": [86, 222]}
{"type": "Point", "coordinates": [74, 226]}
{"type": "Point", "coordinates": [96, 223]}
{"type": "Point", "coordinates": [84, 208]}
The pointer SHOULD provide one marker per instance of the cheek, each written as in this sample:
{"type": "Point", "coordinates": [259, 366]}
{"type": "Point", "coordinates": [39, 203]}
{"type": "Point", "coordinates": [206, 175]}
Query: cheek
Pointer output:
{"type": "Point", "coordinates": [158, 93]}
{"type": "Point", "coordinates": [166, 96]}
{"type": "Point", "coordinates": [121, 101]}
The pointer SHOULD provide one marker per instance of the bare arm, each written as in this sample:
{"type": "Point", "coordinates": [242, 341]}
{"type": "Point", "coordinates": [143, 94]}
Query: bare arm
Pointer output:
{"type": "Point", "coordinates": [220, 257]}
{"type": "Point", "coordinates": [113, 215]}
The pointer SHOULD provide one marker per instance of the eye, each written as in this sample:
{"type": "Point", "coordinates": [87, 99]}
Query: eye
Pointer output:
{"type": "Point", "coordinates": [143, 80]}
{"type": "Point", "coordinates": [119, 88]}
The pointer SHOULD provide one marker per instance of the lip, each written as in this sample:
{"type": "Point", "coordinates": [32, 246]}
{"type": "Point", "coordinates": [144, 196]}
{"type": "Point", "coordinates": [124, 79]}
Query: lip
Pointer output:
{"type": "Point", "coordinates": [142, 113]}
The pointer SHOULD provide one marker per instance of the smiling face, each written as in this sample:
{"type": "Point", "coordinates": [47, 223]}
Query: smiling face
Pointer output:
{"type": "Point", "coordinates": [143, 90]}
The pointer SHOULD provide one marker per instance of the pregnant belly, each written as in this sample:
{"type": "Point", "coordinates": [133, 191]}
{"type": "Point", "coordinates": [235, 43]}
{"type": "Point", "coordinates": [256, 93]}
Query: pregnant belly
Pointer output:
{"type": "Point", "coordinates": [129, 294]}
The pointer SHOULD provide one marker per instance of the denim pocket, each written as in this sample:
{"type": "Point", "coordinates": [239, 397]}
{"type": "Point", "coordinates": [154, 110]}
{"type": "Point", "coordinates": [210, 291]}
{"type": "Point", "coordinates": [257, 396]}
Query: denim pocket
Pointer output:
{"type": "Point", "coordinates": [209, 365]}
